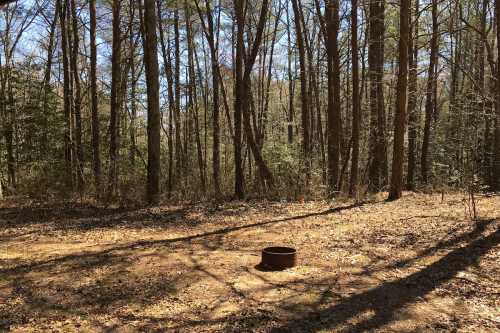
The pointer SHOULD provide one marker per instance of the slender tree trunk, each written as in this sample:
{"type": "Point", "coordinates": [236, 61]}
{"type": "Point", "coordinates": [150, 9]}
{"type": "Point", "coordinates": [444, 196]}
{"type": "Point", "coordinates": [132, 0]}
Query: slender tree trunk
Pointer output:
{"type": "Point", "coordinates": [401, 91]}
{"type": "Point", "coordinates": [430, 102]}
{"type": "Point", "coordinates": [239, 186]}
{"type": "Point", "coordinates": [171, 98]}
{"type": "Point", "coordinates": [66, 92]}
{"type": "Point", "coordinates": [193, 96]}
{"type": "Point", "coordinates": [133, 89]}
{"type": "Point", "coordinates": [210, 33]}
{"type": "Point", "coordinates": [304, 95]}
{"type": "Point", "coordinates": [179, 161]}
{"type": "Point", "coordinates": [46, 79]}
{"type": "Point", "coordinates": [94, 101]}
{"type": "Point", "coordinates": [243, 92]}
{"type": "Point", "coordinates": [496, 153]}
{"type": "Point", "coordinates": [77, 98]}
{"type": "Point", "coordinates": [114, 104]}
{"type": "Point", "coordinates": [153, 93]}
{"type": "Point", "coordinates": [356, 100]}
{"type": "Point", "coordinates": [291, 86]}
{"type": "Point", "coordinates": [334, 125]}
{"type": "Point", "coordinates": [412, 100]}
{"type": "Point", "coordinates": [215, 102]}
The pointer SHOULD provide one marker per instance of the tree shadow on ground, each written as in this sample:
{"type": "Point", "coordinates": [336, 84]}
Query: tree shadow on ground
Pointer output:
{"type": "Point", "coordinates": [164, 242]}
{"type": "Point", "coordinates": [120, 286]}
{"type": "Point", "coordinates": [81, 218]}
{"type": "Point", "coordinates": [389, 298]}
{"type": "Point", "coordinates": [383, 303]}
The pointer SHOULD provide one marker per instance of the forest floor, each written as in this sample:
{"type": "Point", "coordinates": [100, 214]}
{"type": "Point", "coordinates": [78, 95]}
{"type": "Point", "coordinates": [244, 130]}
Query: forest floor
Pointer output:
{"type": "Point", "coordinates": [416, 265]}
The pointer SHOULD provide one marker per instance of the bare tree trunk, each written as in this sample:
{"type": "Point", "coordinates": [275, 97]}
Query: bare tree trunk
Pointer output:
{"type": "Point", "coordinates": [193, 100]}
{"type": "Point", "coordinates": [291, 86]}
{"type": "Point", "coordinates": [496, 154]}
{"type": "Point", "coordinates": [243, 92]}
{"type": "Point", "coordinates": [356, 110]}
{"type": "Point", "coordinates": [401, 91]}
{"type": "Point", "coordinates": [133, 89]}
{"type": "Point", "coordinates": [412, 100]}
{"type": "Point", "coordinates": [179, 161]}
{"type": "Point", "coordinates": [430, 102]}
{"type": "Point", "coordinates": [239, 186]}
{"type": "Point", "coordinates": [212, 39]}
{"type": "Point", "coordinates": [77, 98]}
{"type": "Point", "coordinates": [94, 101]}
{"type": "Point", "coordinates": [153, 92]}
{"type": "Point", "coordinates": [167, 61]}
{"type": "Point", "coordinates": [115, 105]}
{"type": "Point", "coordinates": [304, 96]}
{"type": "Point", "coordinates": [334, 120]}
{"type": "Point", "coordinates": [67, 93]}
{"type": "Point", "coordinates": [46, 78]}
{"type": "Point", "coordinates": [377, 149]}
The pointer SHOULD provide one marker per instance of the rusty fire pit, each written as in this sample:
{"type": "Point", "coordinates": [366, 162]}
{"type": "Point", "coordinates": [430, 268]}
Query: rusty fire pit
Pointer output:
{"type": "Point", "coordinates": [277, 258]}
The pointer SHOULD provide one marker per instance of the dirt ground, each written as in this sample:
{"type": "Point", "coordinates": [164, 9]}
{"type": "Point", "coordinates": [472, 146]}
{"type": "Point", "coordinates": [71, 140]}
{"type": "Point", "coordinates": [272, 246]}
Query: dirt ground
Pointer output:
{"type": "Point", "coordinates": [416, 265]}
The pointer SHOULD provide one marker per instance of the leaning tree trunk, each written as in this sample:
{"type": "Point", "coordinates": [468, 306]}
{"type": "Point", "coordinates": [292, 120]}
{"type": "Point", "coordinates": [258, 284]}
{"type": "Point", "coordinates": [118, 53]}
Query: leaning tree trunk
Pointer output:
{"type": "Point", "coordinates": [250, 58]}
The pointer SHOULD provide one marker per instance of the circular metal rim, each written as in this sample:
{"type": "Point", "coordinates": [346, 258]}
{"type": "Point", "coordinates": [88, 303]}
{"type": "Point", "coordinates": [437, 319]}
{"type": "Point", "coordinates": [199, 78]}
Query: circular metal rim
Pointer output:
{"type": "Point", "coordinates": [275, 250]}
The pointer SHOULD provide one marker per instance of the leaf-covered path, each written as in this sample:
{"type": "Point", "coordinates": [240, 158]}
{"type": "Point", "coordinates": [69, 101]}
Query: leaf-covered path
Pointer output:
{"type": "Point", "coordinates": [419, 264]}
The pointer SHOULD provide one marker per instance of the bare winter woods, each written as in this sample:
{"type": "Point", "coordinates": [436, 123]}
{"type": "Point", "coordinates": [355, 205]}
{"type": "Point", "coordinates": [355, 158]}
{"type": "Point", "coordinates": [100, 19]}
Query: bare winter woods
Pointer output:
{"type": "Point", "coordinates": [202, 99]}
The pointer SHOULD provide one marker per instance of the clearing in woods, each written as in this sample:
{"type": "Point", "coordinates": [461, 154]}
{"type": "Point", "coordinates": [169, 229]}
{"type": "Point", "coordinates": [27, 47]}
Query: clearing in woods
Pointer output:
{"type": "Point", "coordinates": [416, 265]}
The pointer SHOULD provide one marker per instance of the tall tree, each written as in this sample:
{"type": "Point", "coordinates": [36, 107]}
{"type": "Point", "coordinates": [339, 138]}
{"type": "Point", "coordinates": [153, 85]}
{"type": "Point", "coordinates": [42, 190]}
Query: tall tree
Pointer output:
{"type": "Point", "coordinates": [93, 96]}
{"type": "Point", "coordinates": [496, 154]}
{"type": "Point", "coordinates": [412, 98]}
{"type": "Point", "coordinates": [77, 104]}
{"type": "Point", "coordinates": [153, 93]}
{"type": "Point", "coordinates": [401, 92]}
{"type": "Point", "coordinates": [334, 119]}
{"type": "Point", "coordinates": [211, 34]}
{"type": "Point", "coordinates": [167, 65]}
{"type": "Point", "coordinates": [133, 88]}
{"type": "Point", "coordinates": [430, 102]}
{"type": "Point", "coordinates": [63, 15]}
{"type": "Point", "coordinates": [356, 110]}
{"type": "Point", "coordinates": [179, 156]}
{"type": "Point", "coordinates": [114, 103]}
{"type": "Point", "coordinates": [47, 76]}
{"type": "Point", "coordinates": [377, 148]}
{"type": "Point", "coordinates": [239, 180]}
{"type": "Point", "coordinates": [304, 94]}
{"type": "Point", "coordinates": [244, 66]}
{"type": "Point", "coordinates": [193, 102]}
{"type": "Point", "coordinates": [291, 81]}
